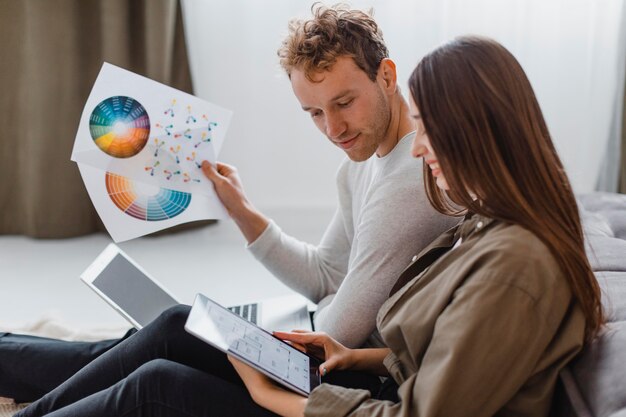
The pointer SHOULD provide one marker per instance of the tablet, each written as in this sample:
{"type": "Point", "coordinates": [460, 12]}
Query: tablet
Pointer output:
{"type": "Point", "coordinates": [129, 289]}
{"type": "Point", "coordinates": [238, 337]}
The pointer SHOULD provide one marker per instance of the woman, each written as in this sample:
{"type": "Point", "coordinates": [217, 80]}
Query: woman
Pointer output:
{"type": "Point", "coordinates": [483, 321]}
{"type": "Point", "coordinates": [480, 324]}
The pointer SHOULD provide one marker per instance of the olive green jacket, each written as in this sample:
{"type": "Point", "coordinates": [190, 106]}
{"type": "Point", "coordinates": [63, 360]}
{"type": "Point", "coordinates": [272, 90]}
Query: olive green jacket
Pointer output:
{"type": "Point", "coordinates": [479, 330]}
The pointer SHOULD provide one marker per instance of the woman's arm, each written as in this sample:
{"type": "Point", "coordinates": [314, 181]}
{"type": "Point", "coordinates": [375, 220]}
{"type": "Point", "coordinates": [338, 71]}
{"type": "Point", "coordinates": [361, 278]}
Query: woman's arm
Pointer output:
{"type": "Point", "coordinates": [268, 395]}
{"type": "Point", "coordinates": [370, 360]}
{"type": "Point", "coordinates": [486, 345]}
{"type": "Point", "coordinates": [286, 403]}
{"type": "Point", "coordinates": [335, 355]}
{"type": "Point", "coordinates": [478, 358]}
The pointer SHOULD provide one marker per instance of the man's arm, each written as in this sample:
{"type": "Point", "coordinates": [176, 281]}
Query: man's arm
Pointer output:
{"type": "Point", "coordinates": [229, 189]}
{"type": "Point", "coordinates": [358, 259]}
{"type": "Point", "coordinates": [395, 224]}
{"type": "Point", "coordinates": [352, 270]}
{"type": "Point", "coordinates": [312, 271]}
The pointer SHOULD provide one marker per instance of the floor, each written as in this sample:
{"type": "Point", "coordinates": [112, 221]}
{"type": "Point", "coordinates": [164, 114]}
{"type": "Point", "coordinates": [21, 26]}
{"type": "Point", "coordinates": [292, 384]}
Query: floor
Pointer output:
{"type": "Point", "coordinates": [39, 278]}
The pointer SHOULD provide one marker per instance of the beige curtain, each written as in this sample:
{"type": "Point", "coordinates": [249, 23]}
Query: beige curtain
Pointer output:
{"type": "Point", "coordinates": [622, 169]}
{"type": "Point", "coordinates": [52, 52]}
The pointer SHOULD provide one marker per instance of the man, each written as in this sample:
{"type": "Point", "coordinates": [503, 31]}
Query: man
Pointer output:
{"type": "Point", "coordinates": [340, 72]}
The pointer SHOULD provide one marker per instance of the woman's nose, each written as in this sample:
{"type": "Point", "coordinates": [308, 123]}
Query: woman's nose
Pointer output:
{"type": "Point", "coordinates": [418, 150]}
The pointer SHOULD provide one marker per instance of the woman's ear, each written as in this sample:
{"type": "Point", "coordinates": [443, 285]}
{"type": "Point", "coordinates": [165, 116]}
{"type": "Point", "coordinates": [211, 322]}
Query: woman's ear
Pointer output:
{"type": "Point", "coordinates": [387, 75]}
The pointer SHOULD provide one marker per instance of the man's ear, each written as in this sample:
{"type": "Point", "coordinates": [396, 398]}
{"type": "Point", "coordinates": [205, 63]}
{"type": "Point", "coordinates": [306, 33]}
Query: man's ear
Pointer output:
{"type": "Point", "coordinates": [387, 76]}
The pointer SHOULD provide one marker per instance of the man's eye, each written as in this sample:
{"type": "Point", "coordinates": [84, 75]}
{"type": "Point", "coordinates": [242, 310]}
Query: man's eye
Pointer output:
{"type": "Point", "coordinates": [345, 103]}
{"type": "Point", "coordinates": [316, 113]}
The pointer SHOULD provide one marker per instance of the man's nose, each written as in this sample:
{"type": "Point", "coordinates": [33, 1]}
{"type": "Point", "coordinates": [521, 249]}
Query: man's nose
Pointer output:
{"type": "Point", "coordinates": [335, 127]}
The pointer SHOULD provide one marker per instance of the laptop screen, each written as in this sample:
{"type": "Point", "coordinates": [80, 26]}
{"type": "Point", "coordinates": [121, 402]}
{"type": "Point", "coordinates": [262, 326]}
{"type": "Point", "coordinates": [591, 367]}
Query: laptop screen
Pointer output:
{"type": "Point", "coordinates": [134, 292]}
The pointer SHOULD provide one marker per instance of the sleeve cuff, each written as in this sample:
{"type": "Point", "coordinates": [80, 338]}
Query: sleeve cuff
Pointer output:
{"type": "Point", "coordinates": [395, 368]}
{"type": "Point", "coordinates": [333, 400]}
{"type": "Point", "coordinates": [266, 241]}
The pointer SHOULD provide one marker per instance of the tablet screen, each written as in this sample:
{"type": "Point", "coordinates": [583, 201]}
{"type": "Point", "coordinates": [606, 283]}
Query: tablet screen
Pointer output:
{"type": "Point", "coordinates": [232, 334]}
{"type": "Point", "coordinates": [134, 293]}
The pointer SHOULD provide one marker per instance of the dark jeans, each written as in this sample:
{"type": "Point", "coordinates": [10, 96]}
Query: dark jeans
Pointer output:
{"type": "Point", "coordinates": [162, 370]}
{"type": "Point", "coordinates": [33, 366]}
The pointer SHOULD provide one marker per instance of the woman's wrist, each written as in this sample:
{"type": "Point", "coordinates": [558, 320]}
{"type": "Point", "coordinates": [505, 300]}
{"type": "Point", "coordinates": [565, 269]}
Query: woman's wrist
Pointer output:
{"type": "Point", "coordinates": [370, 360]}
{"type": "Point", "coordinates": [358, 359]}
{"type": "Point", "coordinates": [279, 400]}
{"type": "Point", "coordinates": [352, 358]}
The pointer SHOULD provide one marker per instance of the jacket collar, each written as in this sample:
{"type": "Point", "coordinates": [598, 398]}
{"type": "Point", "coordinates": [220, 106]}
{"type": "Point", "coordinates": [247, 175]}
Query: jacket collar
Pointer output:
{"type": "Point", "coordinates": [471, 225]}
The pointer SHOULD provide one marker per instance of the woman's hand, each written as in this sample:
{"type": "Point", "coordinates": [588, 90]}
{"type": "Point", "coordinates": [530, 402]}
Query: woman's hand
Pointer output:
{"type": "Point", "coordinates": [267, 394]}
{"type": "Point", "coordinates": [319, 344]}
{"type": "Point", "coordinates": [335, 355]}
{"type": "Point", "coordinates": [256, 383]}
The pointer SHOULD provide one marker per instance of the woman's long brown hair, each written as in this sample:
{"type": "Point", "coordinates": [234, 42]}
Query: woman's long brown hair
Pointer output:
{"type": "Point", "coordinates": [492, 143]}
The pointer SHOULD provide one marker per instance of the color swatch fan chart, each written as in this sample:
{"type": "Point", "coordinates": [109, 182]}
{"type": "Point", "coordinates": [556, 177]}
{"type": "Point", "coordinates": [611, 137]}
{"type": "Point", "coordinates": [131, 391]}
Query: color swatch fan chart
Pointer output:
{"type": "Point", "coordinates": [139, 148]}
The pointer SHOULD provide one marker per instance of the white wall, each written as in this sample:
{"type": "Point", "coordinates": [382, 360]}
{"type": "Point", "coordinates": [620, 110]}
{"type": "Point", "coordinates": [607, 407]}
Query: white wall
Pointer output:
{"type": "Point", "coordinates": [284, 161]}
{"type": "Point", "coordinates": [568, 48]}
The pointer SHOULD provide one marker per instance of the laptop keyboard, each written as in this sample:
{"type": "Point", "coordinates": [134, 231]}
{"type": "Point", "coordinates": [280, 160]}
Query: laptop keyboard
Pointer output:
{"type": "Point", "coordinates": [247, 311]}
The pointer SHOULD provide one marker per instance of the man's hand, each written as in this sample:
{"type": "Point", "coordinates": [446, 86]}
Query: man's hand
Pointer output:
{"type": "Point", "coordinates": [230, 191]}
{"type": "Point", "coordinates": [227, 185]}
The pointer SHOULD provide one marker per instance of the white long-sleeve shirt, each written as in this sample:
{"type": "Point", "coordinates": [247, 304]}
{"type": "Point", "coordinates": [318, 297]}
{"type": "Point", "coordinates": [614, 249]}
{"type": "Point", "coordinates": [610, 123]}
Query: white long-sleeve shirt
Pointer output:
{"type": "Point", "coordinates": [382, 221]}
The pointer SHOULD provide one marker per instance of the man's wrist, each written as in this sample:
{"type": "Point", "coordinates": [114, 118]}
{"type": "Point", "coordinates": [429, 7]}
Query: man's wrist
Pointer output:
{"type": "Point", "coordinates": [250, 221]}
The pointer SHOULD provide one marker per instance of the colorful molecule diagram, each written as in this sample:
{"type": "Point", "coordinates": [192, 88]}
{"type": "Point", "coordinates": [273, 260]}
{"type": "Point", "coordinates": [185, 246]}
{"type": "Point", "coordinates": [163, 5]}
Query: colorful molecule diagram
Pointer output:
{"type": "Point", "coordinates": [158, 146]}
{"type": "Point", "coordinates": [170, 110]}
{"type": "Point", "coordinates": [175, 152]}
{"type": "Point", "coordinates": [152, 168]}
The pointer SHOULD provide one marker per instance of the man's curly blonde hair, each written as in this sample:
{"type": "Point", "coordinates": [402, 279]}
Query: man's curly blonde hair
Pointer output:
{"type": "Point", "coordinates": [334, 31]}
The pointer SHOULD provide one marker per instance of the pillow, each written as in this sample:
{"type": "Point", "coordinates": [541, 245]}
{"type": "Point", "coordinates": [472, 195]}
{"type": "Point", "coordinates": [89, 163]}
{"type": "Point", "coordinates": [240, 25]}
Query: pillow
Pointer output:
{"type": "Point", "coordinates": [606, 253]}
{"type": "Point", "coordinates": [601, 201]}
{"type": "Point", "coordinates": [595, 224]}
{"type": "Point", "coordinates": [595, 382]}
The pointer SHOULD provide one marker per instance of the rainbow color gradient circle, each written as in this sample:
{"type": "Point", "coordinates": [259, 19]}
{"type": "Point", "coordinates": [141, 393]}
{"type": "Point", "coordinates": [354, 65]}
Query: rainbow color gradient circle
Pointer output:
{"type": "Point", "coordinates": [120, 126]}
{"type": "Point", "coordinates": [127, 195]}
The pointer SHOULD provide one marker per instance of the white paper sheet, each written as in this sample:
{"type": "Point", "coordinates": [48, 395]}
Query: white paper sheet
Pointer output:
{"type": "Point", "coordinates": [130, 209]}
{"type": "Point", "coordinates": [149, 132]}
{"type": "Point", "coordinates": [139, 147]}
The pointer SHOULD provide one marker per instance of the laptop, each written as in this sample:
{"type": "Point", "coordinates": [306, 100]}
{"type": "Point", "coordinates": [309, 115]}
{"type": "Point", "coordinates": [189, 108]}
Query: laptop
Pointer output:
{"type": "Point", "coordinates": [140, 298]}
{"type": "Point", "coordinates": [230, 333]}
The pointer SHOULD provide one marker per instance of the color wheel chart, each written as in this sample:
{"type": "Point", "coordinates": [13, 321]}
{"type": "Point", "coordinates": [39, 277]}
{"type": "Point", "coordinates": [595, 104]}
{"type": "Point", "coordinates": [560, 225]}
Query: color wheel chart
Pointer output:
{"type": "Point", "coordinates": [145, 202]}
{"type": "Point", "coordinates": [120, 126]}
